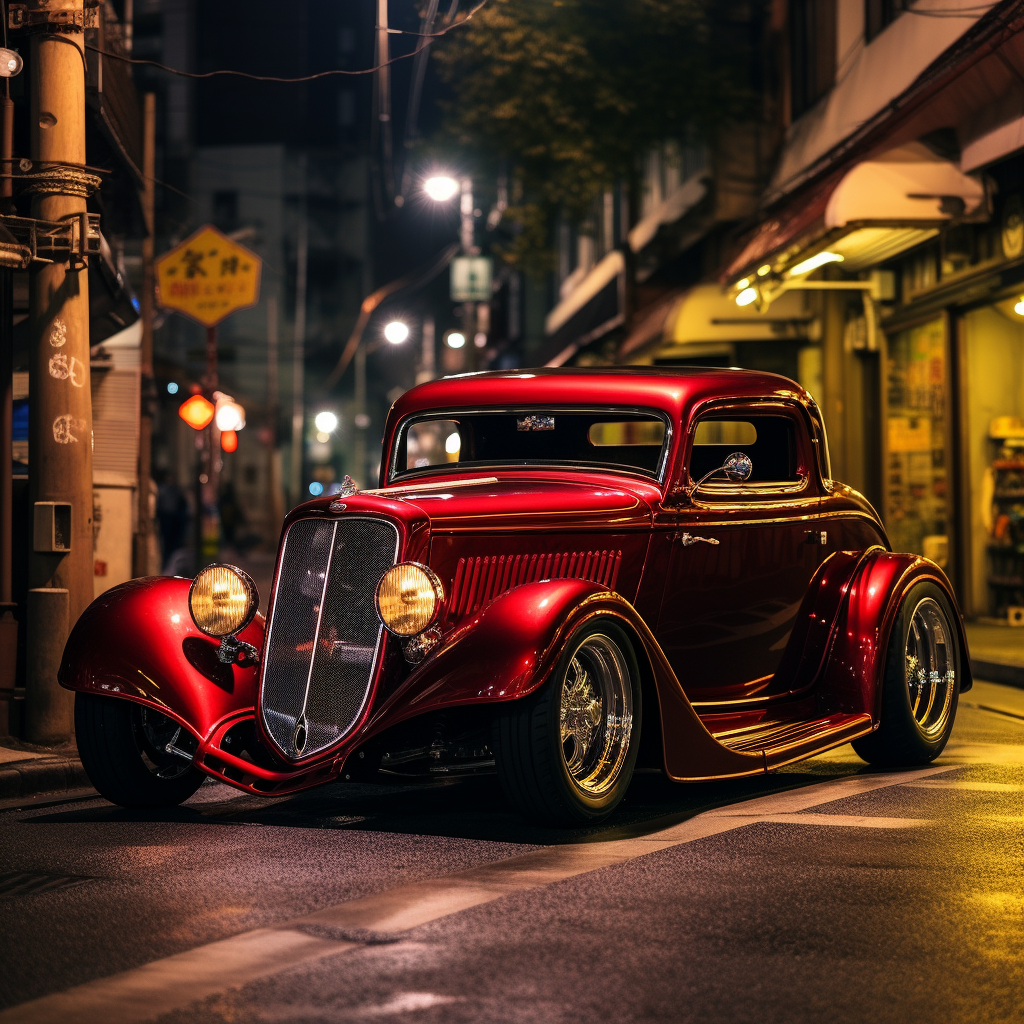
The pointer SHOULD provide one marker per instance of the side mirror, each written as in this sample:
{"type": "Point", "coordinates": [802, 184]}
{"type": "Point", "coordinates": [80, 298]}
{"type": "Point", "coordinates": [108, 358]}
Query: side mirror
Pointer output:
{"type": "Point", "coordinates": [738, 467]}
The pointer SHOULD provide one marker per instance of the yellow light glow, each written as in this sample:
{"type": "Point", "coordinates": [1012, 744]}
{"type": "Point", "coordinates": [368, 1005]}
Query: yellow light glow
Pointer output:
{"type": "Point", "coordinates": [408, 598]}
{"type": "Point", "coordinates": [745, 283]}
{"type": "Point", "coordinates": [222, 600]}
{"type": "Point", "coordinates": [765, 270]}
{"type": "Point", "coordinates": [1019, 308]}
{"type": "Point", "coordinates": [453, 444]}
{"type": "Point", "coordinates": [746, 297]}
{"type": "Point", "coordinates": [813, 262]}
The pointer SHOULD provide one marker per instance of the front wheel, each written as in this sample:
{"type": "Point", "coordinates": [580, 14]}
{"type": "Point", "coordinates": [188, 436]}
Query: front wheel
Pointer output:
{"type": "Point", "coordinates": [565, 754]}
{"type": "Point", "coordinates": [134, 756]}
{"type": "Point", "coordinates": [921, 683]}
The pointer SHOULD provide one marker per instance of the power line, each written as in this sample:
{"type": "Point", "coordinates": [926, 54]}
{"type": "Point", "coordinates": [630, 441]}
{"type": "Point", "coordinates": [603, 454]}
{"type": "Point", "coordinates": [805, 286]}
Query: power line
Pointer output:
{"type": "Point", "coordinates": [300, 78]}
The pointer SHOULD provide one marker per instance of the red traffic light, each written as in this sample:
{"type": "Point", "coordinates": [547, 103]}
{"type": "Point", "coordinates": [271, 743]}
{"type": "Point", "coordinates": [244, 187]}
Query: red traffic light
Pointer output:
{"type": "Point", "coordinates": [229, 440]}
{"type": "Point", "coordinates": [197, 412]}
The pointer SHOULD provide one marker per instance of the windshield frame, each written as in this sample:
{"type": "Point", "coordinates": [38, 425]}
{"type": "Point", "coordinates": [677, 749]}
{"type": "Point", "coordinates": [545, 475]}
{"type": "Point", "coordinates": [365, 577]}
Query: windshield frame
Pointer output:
{"type": "Point", "coordinates": [395, 475]}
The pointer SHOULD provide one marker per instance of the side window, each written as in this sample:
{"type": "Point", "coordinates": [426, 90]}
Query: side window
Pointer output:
{"type": "Point", "coordinates": [770, 441]}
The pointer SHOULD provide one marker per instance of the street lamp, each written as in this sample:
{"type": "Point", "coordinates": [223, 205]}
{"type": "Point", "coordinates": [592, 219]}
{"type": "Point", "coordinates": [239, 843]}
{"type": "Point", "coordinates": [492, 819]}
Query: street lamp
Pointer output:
{"type": "Point", "coordinates": [396, 332]}
{"type": "Point", "coordinates": [326, 422]}
{"type": "Point", "coordinates": [455, 339]}
{"type": "Point", "coordinates": [440, 188]}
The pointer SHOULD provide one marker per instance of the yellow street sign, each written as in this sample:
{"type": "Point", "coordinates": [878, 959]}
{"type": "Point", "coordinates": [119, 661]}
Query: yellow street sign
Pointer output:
{"type": "Point", "coordinates": [208, 277]}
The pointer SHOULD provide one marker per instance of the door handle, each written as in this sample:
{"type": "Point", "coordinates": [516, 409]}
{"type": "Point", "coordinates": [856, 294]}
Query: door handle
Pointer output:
{"type": "Point", "coordinates": [688, 540]}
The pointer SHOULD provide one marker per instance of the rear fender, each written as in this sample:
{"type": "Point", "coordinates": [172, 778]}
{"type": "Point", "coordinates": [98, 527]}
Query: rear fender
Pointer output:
{"type": "Point", "coordinates": [138, 641]}
{"type": "Point", "coordinates": [853, 674]}
{"type": "Point", "coordinates": [510, 649]}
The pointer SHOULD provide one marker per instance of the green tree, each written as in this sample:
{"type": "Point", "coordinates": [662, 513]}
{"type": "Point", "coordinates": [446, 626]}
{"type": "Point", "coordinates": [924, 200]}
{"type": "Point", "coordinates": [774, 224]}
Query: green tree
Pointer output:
{"type": "Point", "coordinates": [569, 94]}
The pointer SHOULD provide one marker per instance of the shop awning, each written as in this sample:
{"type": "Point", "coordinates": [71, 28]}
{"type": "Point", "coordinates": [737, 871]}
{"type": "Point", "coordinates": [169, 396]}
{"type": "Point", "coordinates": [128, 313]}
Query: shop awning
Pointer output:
{"type": "Point", "coordinates": [705, 318]}
{"type": "Point", "coordinates": [867, 214]}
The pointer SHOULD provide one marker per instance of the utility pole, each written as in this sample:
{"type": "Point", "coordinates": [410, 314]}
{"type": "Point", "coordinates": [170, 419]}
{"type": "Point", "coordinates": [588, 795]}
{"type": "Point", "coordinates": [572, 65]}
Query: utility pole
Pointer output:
{"type": "Point", "coordinates": [361, 420]}
{"type": "Point", "coordinates": [60, 404]}
{"type": "Point", "coordinates": [8, 624]}
{"type": "Point", "coordinates": [384, 100]}
{"type": "Point", "coordinates": [275, 504]}
{"type": "Point", "coordinates": [299, 346]}
{"type": "Point", "coordinates": [140, 552]}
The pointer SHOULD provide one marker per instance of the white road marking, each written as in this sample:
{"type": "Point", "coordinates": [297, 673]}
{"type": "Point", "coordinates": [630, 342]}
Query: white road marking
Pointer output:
{"type": "Point", "coordinates": [174, 982]}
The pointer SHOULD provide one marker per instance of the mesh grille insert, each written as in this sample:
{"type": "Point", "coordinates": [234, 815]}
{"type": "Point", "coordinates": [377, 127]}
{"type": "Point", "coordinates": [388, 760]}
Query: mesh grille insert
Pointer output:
{"type": "Point", "coordinates": [324, 633]}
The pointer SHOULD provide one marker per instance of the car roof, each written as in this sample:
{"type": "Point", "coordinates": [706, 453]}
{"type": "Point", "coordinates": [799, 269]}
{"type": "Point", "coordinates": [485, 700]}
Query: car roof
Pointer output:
{"type": "Point", "coordinates": [670, 389]}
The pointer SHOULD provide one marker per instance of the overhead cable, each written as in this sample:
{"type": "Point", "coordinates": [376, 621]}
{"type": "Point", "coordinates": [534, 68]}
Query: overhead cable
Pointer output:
{"type": "Point", "coordinates": [300, 78]}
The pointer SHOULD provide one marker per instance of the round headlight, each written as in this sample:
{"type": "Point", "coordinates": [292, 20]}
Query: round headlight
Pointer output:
{"type": "Point", "coordinates": [408, 598]}
{"type": "Point", "coordinates": [222, 600]}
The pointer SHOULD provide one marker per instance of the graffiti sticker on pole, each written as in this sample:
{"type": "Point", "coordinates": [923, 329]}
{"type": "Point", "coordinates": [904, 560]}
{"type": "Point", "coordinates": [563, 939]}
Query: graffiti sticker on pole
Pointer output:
{"type": "Point", "coordinates": [208, 277]}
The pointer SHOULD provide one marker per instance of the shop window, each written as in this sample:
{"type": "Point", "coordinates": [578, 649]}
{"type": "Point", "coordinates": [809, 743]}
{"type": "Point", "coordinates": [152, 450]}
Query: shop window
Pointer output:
{"type": "Point", "coordinates": [918, 479]}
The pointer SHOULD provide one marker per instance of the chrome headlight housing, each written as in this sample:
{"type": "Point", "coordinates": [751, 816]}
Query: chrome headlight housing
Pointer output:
{"type": "Point", "coordinates": [409, 598]}
{"type": "Point", "coordinates": [222, 600]}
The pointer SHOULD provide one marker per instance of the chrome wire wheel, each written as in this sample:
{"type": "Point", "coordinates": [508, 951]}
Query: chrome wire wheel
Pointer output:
{"type": "Point", "coordinates": [930, 667]}
{"type": "Point", "coordinates": [596, 714]}
{"type": "Point", "coordinates": [163, 745]}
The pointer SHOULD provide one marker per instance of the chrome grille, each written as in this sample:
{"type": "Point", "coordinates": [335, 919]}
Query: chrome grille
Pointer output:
{"type": "Point", "coordinates": [324, 633]}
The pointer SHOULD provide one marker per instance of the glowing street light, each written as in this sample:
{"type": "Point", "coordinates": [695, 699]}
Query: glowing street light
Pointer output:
{"type": "Point", "coordinates": [441, 188]}
{"type": "Point", "coordinates": [455, 340]}
{"type": "Point", "coordinates": [396, 332]}
{"type": "Point", "coordinates": [229, 414]}
{"type": "Point", "coordinates": [326, 422]}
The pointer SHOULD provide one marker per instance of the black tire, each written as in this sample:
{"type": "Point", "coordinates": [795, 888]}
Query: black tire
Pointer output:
{"type": "Point", "coordinates": [545, 776]}
{"type": "Point", "coordinates": [918, 704]}
{"type": "Point", "coordinates": [121, 744]}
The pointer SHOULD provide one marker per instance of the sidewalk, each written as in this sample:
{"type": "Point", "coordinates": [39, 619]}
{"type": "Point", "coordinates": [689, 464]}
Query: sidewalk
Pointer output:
{"type": "Point", "coordinates": [997, 653]}
{"type": "Point", "coordinates": [28, 771]}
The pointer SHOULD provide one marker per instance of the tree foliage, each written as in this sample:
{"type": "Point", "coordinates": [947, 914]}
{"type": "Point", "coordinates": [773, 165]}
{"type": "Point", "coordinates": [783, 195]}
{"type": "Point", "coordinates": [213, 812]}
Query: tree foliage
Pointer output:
{"type": "Point", "coordinates": [568, 94]}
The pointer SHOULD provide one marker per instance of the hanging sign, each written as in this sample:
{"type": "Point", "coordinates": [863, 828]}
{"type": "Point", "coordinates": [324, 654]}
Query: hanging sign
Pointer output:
{"type": "Point", "coordinates": [471, 279]}
{"type": "Point", "coordinates": [208, 277]}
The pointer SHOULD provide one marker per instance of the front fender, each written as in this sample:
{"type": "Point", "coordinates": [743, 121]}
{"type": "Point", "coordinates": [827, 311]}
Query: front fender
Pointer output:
{"type": "Point", "coordinates": [853, 674]}
{"type": "Point", "coordinates": [138, 641]}
{"type": "Point", "coordinates": [510, 648]}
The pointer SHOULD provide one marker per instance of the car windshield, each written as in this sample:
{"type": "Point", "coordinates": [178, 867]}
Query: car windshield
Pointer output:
{"type": "Point", "coordinates": [635, 442]}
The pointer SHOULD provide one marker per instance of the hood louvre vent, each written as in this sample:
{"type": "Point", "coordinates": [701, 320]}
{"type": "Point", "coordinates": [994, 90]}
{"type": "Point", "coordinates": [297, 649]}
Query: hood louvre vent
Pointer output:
{"type": "Point", "coordinates": [478, 581]}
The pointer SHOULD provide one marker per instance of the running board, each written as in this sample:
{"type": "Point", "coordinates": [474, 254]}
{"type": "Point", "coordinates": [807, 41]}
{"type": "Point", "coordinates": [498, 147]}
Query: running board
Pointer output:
{"type": "Point", "coordinates": [784, 742]}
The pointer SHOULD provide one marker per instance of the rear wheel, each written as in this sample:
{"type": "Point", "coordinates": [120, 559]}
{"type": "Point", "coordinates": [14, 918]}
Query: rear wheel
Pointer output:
{"type": "Point", "coordinates": [133, 755]}
{"type": "Point", "coordinates": [921, 683]}
{"type": "Point", "coordinates": [565, 754]}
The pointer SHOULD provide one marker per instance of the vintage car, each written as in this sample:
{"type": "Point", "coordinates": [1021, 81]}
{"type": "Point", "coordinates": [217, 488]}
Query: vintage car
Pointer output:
{"type": "Point", "coordinates": [563, 575]}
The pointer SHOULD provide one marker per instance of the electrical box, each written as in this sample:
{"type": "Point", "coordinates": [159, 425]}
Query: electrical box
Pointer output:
{"type": "Point", "coordinates": [51, 526]}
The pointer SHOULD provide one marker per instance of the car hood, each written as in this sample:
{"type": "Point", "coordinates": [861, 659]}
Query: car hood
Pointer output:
{"type": "Point", "coordinates": [516, 503]}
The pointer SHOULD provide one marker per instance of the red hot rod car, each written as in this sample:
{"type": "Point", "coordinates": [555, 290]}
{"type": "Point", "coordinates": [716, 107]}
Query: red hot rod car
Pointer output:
{"type": "Point", "coordinates": [564, 573]}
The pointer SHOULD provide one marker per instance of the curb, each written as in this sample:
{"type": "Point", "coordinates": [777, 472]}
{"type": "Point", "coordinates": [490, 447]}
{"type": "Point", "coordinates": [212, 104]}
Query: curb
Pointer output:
{"type": "Point", "coordinates": [997, 672]}
{"type": "Point", "coordinates": [37, 775]}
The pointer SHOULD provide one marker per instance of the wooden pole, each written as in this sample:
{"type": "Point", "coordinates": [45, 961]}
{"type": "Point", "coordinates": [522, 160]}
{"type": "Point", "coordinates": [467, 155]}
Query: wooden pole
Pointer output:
{"type": "Point", "coordinates": [8, 624]}
{"type": "Point", "coordinates": [140, 552]}
{"type": "Point", "coordinates": [60, 404]}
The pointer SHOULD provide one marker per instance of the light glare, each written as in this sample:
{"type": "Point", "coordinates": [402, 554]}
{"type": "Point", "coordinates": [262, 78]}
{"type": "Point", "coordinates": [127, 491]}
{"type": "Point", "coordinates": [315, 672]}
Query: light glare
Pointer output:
{"type": "Point", "coordinates": [453, 444]}
{"type": "Point", "coordinates": [1019, 308]}
{"type": "Point", "coordinates": [326, 422]}
{"type": "Point", "coordinates": [396, 332]}
{"type": "Point", "coordinates": [440, 188]}
{"type": "Point", "coordinates": [456, 340]}
{"type": "Point", "coordinates": [746, 297]}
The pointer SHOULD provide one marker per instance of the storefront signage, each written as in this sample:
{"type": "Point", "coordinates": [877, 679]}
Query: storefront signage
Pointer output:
{"type": "Point", "coordinates": [208, 277]}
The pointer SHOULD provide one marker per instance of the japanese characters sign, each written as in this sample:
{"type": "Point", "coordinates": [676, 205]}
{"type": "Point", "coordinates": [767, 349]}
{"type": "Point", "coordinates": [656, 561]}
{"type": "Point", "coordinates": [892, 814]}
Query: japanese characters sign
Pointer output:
{"type": "Point", "coordinates": [208, 277]}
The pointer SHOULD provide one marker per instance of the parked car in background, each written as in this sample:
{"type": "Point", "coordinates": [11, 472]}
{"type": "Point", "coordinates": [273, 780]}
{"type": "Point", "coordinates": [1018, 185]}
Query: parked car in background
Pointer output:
{"type": "Point", "coordinates": [563, 574]}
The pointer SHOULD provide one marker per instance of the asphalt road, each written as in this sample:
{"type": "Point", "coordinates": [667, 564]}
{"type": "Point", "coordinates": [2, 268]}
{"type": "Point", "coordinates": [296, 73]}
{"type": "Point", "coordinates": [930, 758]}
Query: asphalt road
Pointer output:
{"type": "Point", "coordinates": [824, 892]}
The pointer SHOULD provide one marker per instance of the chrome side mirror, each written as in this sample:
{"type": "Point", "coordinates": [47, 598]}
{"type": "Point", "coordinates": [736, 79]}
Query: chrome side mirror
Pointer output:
{"type": "Point", "coordinates": [737, 468]}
